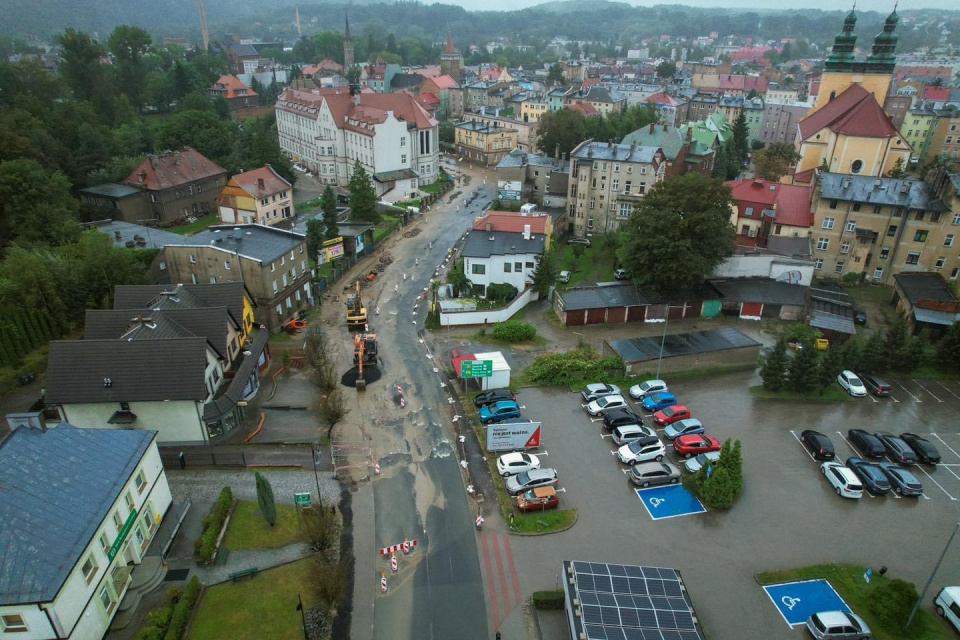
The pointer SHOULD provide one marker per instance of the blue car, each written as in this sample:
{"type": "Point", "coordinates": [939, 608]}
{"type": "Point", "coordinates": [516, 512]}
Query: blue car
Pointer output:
{"type": "Point", "coordinates": [688, 427]}
{"type": "Point", "coordinates": [659, 401]}
{"type": "Point", "coordinates": [874, 480]}
{"type": "Point", "coordinates": [499, 411]}
{"type": "Point", "coordinates": [903, 482]}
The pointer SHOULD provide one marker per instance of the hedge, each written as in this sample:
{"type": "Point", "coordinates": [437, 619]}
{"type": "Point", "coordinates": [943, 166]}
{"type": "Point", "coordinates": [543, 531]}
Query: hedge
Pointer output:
{"type": "Point", "coordinates": [565, 368]}
{"type": "Point", "coordinates": [546, 600]}
{"type": "Point", "coordinates": [514, 331]}
{"type": "Point", "coordinates": [206, 544]}
{"type": "Point", "coordinates": [183, 609]}
{"type": "Point", "coordinates": [158, 620]}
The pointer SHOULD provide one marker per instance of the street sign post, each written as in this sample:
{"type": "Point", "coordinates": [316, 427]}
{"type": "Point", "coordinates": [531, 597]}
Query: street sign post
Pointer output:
{"type": "Point", "coordinates": [301, 499]}
{"type": "Point", "coordinates": [476, 368]}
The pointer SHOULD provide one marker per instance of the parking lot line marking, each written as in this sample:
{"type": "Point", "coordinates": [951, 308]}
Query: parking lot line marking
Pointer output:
{"type": "Point", "coordinates": [928, 391]}
{"type": "Point", "coordinates": [596, 419]}
{"type": "Point", "coordinates": [907, 392]}
{"type": "Point", "coordinates": [948, 389]}
{"type": "Point", "coordinates": [936, 483]}
{"type": "Point", "coordinates": [802, 445]}
{"type": "Point", "coordinates": [894, 399]}
{"type": "Point", "coordinates": [606, 435]}
{"type": "Point", "coordinates": [875, 401]}
{"type": "Point", "coordinates": [952, 472]}
{"type": "Point", "coordinates": [625, 471]}
{"type": "Point", "coordinates": [952, 450]}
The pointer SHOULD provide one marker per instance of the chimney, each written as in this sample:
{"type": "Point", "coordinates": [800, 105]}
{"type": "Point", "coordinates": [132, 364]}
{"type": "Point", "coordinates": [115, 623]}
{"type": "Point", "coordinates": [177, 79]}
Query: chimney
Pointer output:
{"type": "Point", "coordinates": [526, 232]}
{"type": "Point", "coordinates": [689, 134]}
{"type": "Point", "coordinates": [261, 184]}
{"type": "Point", "coordinates": [488, 226]}
{"type": "Point", "coordinates": [556, 152]}
{"type": "Point", "coordinates": [652, 125]}
{"type": "Point", "coordinates": [177, 158]}
{"type": "Point", "coordinates": [633, 147]}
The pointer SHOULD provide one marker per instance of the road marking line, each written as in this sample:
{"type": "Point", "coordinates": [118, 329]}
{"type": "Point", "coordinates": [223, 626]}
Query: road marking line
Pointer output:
{"type": "Point", "coordinates": [948, 390]}
{"type": "Point", "coordinates": [936, 483]}
{"type": "Point", "coordinates": [606, 435]}
{"type": "Point", "coordinates": [875, 401]}
{"type": "Point", "coordinates": [952, 472]}
{"type": "Point", "coordinates": [928, 391]}
{"type": "Point", "coordinates": [907, 392]}
{"type": "Point", "coordinates": [515, 580]}
{"type": "Point", "coordinates": [952, 450]}
{"type": "Point", "coordinates": [894, 399]}
{"type": "Point", "coordinates": [803, 446]}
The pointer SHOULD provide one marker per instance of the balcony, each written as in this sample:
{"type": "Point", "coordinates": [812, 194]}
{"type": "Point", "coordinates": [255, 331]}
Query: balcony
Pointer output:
{"type": "Point", "coordinates": [632, 195]}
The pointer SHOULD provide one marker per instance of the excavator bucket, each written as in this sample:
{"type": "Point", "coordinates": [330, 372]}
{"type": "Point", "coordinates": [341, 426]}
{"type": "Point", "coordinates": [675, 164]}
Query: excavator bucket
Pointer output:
{"type": "Point", "coordinates": [361, 384]}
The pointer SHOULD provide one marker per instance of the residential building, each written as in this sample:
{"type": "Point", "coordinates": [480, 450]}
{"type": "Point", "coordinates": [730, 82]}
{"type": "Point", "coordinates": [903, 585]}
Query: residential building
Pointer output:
{"type": "Point", "coordinates": [601, 98]}
{"type": "Point", "coordinates": [702, 105]}
{"type": "Point", "coordinates": [606, 182]}
{"type": "Point", "coordinates": [897, 107]}
{"type": "Point", "coordinates": [672, 112]}
{"type": "Point", "coordinates": [780, 120]}
{"type": "Point", "coordinates": [484, 143]}
{"type": "Point", "coordinates": [557, 97]}
{"type": "Point", "coordinates": [391, 135]}
{"type": "Point", "coordinates": [879, 227]}
{"type": "Point", "coordinates": [752, 110]}
{"type": "Point", "coordinates": [740, 85]}
{"type": "Point", "coordinates": [638, 93]}
{"type": "Point", "coordinates": [238, 95]}
{"type": "Point", "coordinates": [764, 209]}
{"type": "Point", "coordinates": [917, 129]}
{"type": "Point", "coordinates": [709, 81]}
{"type": "Point", "coordinates": [681, 152]}
{"type": "Point", "coordinates": [482, 93]}
{"type": "Point", "coordinates": [945, 136]}
{"type": "Point", "coordinates": [272, 263]}
{"type": "Point", "coordinates": [777, 93]}
{"type": "Point", "coordinates": [503, 257]}
{"type": "Point", "coordinates": [81, 510]}
{"type": "Point", "coordinates": [539, 223]}
{"type": "Point", "coordinates": [526, 131]}
{"type": "Point", "coordinates": [533, 108]}
{"type": "Point", "coordinates": [447, 90]}
{"type": "Point", "coordinates": [451, 61]}
{"type": "Point", "coordinates": [528, 177]}
{"type": "Point", "coordinates": [260, 196]}
{"type": "Point", "coordinates": [169, 187]}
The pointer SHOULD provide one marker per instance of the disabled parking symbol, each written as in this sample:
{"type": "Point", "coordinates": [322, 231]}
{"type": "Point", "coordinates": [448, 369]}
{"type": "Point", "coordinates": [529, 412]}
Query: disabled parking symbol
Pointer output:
{"type": "Point", "coordinates": [669, 502]}
{"type": "Point", "coordinates": [656, 502]}
{"type": "Point", "coordinates": [797, 601]}
{"type": "Point", "coordinates": [789, 602]}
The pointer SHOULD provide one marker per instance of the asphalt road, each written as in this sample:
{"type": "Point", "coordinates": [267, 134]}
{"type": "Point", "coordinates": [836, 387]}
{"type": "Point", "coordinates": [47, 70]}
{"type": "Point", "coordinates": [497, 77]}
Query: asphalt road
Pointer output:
{"type": "Point", "coordinates": [789, 516]}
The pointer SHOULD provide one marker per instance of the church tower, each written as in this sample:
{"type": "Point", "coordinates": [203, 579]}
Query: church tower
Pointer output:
{"type": "Point", "coordinates": [347, 48]}
{"type": "Point", "coordinates": [451, 61]}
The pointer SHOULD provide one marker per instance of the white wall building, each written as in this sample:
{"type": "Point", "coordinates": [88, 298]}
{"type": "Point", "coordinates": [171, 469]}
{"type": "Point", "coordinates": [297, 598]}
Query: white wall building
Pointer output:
{"type": "Point", "coordinates": [80, 509]}
{"type": "Point", "coordinates": [501, 257]}
{"type": "Point", "coordinates": [393, 136]}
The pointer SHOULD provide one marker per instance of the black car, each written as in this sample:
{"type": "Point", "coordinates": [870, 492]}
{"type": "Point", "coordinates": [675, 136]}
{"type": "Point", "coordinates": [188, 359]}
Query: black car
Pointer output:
{"type": "Point", "coordinates": [620, 417]}
{"type": "Point", "coordinates": [819, 445]}
{"type": "Point", "coordinates": [924, 449]}
{"type": "Point", "coordinates": [494, 395]}
{"type": "Point", "coordinates": [877, 386]}
{"type": "Point", "coordinates": [898, 450]}
{"type": "Point", "coordinates": [860, 316]}
{"type": "Point", "coordinates": [866, 443]}
{"type": "Point", "coordinates": [873, 478]}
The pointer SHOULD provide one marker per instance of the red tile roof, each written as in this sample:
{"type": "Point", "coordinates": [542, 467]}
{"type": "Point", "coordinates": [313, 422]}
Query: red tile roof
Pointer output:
{"type": "Point", "coordinates": [589, 82]}
{"type": "Point", "coordinates": [585, 108]}
{"type": "Point", "coordinates": [804, 177]}
{"type": "Point", "coordinates": [662, 99]}
{"type": "Point", "coordinates": [372, 108]}
{"type": "Point", "coordinates": [172, 169]}
{"type": "Point", "coordinates": [855, 112]}
{"type": "Point", "coordinates": [249, 181]}
{"type": "Point", "coordinates": [231, 86]}
{"type": "Point", "coordinates": [444, 82]}
{"type": "Point", "coordinates": [792, 203]}
{"type": "Point", "coordinates": [511, 222]}
{"type": "Point", "coordinates": [936, 94]}
{"type": "Point", "coordinates": [746, 84]}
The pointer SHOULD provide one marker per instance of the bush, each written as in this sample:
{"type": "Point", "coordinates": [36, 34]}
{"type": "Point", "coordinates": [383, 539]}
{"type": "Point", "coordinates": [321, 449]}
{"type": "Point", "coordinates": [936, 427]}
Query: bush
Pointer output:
{"type": "Point", "coordinates": [571, 366]}
{"type": "Point", "coordinates": [548, 600]}
{"type": "Point", "coordinates": [501, 292]}
{"type": "Point", "coordinates": [183, 609]}
{"type": "Point", "coordinates": [722, 488]}
{"type": "Point", "coordinates": [158, 620]}
{"type": "Point", "coordinates": [514, 331]}
{"type": "Point", "coordinates": [892, 601]}
{"type": "Point", "coordinates": [206, 544]}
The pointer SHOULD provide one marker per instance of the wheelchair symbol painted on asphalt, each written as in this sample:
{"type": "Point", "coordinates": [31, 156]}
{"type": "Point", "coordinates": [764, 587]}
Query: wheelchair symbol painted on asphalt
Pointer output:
{"type": "Point", "coordinates": [656, 502]}
{"type": "Point", "coordinates": [789, 602]}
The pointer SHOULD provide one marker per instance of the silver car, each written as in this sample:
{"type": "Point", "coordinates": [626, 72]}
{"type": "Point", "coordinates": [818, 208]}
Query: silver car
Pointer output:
{"type": "Point", "coordinates": [650, 474]}
{"type": "Point", "coordinates": [530, 480]}
{"type": "Point", "coordinates": [597, 390]}
{"type": "Point", "coordinates": [647, 388]}
{"type": "Point", "coordinates": [694, 465]}
{"type": "Point", "coordinates": [838, 625]}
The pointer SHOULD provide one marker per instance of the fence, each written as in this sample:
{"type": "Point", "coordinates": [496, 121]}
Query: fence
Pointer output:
{"type": "Point", "coordinates": [184, 459]}
{"type": "Point", "coordinates": [489, 316]}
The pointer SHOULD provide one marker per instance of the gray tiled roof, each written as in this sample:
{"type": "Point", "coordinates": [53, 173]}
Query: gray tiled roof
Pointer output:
{"type": "Point", "coordinates": [112, 190]}
{"type": "Point", "coordinates": [623, 295]}
{"type": "Point", "coordinates": [258, 242]}
{"type": "Point", "coordinates": [924, 285]}
{"type": "Point", "coordinates": [230, 393]}
{"type": "Point", "coordinates": [183, 296]}
{"type": "Point", "coordinates": [138, 370]}
{"type": "Point", "coordinates": [764, 290]}
{"type": "Point", "coordinates": [620, 152]}
{"type": "Point", "coordinates": [58, 486]}
{"type": "Point", "coordinates": [515, 159]}
{"type": "Point", "coordinates": [912, 194]}
{"type": "Point", "coordinates": [206, 322]}
{"type": "Point", "coordinates": [504, 243]}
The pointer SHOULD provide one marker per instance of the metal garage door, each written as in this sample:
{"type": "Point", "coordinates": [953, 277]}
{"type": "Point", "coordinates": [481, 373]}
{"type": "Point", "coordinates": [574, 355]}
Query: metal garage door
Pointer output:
{"type": "Point", "coordinates": [711, 308]}
{"type": "Point", "coordinates": [617, 314]}
{"type": "Point", "coordinates": [576, 318]}
{"type": "Point", "coordinates": [677, 311]}
{"type": "Point", "coordinates": [596, 316]}
{"type": "Point", "coordinates": [751, 310]}
{"type": "Point", "coordinates": [636, 314]}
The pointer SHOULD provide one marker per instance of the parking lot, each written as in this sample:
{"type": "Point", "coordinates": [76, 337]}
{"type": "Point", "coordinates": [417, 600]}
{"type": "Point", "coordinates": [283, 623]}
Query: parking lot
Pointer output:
{"type": "Point", "coordinates": [789, 515]}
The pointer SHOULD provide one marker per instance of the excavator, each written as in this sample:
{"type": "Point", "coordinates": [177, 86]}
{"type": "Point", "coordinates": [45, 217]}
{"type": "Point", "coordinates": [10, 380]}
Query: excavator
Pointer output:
{"type": "Point", "coordinates": [356, 312]}
{"type": "Point", "coordinates": [364, 355]}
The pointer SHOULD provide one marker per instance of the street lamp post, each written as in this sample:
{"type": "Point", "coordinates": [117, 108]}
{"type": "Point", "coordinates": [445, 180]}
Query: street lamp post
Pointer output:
{"type": "Point", "coordinates": [933, 573]}
{"type": "Point", "coordinates": [313, 454]}
{"type": "Point", "coordinates": [663, 338]}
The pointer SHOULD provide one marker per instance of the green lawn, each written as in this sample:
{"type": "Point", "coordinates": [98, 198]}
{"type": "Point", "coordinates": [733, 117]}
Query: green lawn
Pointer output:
{"type": "Point", "coordinates": [833, 393]}
{"type": "Point", "coordinates": [435, 187]}
{"type": "Point", "coordinates": [547, 522]}
{"type": "Point", "coordinates": [249, 530]}
{"type": "Point", "coordinates": [595, 264]}
{"type": "Point", "coordinates": [392, 223]}
{"type": "Point", "coordinates": [847, 579]}
{"type": "Point", "coordinates": [866, 293]}
{"type": "Point", "coordinates": [260, 608]}
{"type": "Point", "coordinates": [196, 227]}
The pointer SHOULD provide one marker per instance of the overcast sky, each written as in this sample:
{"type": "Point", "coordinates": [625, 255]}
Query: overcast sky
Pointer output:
{"type": "Point", "coordinates": [871, 5]}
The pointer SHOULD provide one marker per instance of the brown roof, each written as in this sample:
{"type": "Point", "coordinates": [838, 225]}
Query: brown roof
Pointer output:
{"type": "Point", "coordinates": [249, 181]}
{"type": "Point", "coordinates": [855, 112]}
{"type": "Point", "coordinates": [511, 222]}
{"type": "Point", "coordinates": [172, 169]}
{"type": "Point", "coordinates": [231, 86]}
{"type": "Point", "coordinates": [372, 108]}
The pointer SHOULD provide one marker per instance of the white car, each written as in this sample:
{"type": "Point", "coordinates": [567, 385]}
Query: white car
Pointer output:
{"type": "Point", "coordinates": [641, 451]}
{"type": "Point", "coordinates": [694, 465]}
{"type": "Point", "coordinates": [647, 388]}
{"type": "Point", "coordinates": [517, 462]}
{"type": "Point", "coordinates": [851, 383]}
{"type": "Point", "coordinates": [564, 276]}
{"type": "Point", "coordinates": [844, 480]}
{"type": "Point", "coordinates": [597, 390]}
{"type": "Point", "coordinates": [606, 403]}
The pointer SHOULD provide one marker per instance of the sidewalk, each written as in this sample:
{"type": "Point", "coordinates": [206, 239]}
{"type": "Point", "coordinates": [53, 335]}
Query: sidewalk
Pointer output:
{"type": "Point", "coordinates": [365, 576]}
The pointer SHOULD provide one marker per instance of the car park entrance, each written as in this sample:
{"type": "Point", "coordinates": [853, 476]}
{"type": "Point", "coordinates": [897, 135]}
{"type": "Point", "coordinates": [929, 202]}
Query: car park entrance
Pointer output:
{"type": "Point", "coordinates": [669, 502]}
{"type": "Point", "coordinates": [797, 601]}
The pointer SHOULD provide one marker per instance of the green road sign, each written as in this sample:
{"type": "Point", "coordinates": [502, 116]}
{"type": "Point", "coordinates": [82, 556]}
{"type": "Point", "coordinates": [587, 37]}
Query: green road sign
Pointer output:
{"type": "Point", "coordinates": [476, 368]}
{"type": "Point", "coordinates": [301, 499]}
{"type": "Point", "coordinates": [124, 532]}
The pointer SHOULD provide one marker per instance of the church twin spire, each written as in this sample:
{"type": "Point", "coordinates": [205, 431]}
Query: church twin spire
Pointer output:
{"type": "Point", "coordinates": [881, 58]}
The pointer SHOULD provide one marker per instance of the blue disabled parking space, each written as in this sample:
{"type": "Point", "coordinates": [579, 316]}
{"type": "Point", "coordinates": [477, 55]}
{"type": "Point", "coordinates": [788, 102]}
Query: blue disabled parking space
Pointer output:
{"type": "Point", "coordinates": [797, 601]}
{"type": "Point", "coordinates": [669, 502]}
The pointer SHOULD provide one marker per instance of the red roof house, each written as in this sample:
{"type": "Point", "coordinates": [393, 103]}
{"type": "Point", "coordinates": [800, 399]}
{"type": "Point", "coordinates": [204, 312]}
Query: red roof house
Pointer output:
{"type": "Point", "coordinates": [772, 203]}
{"type": "Point", "coordinates": [855, 112]}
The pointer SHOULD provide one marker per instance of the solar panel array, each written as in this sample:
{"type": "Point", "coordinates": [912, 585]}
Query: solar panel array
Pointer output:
{"type": "Point", "coordinates": [628, 602]}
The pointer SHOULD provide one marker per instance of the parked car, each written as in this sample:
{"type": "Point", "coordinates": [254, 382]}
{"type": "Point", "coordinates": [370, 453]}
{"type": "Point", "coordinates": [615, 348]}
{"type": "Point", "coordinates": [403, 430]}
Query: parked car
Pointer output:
{"type": "Point", "coordinates": [948, 605]}
{"type": "Point", "coordinates": [688, 427]}
{"type": "Point", "coordinates": [659, 401]}
{"type": "Point", "coordinates": [641, 451]}
{"type": "Point", "coordinates": [564, 277]}
{"type": "Point", "coordinates": [494, 395]}
{"type": "Point", "coordinates": [897, 449]}
{"type": "Point", "coordinates": [819, 445]}
{"type": "Point", "coordinates": [689, 446]}
{"type": "Point", "coordinates": [924, 449]}
{"type": "Point", "coordinates": [539, 499]}
{"type": "Point", "coordinates": [870, 475]}
{"type": "Point", "coordinates": [499, 411]}
{"type": "Point", "coordinates": [627, 433]}
{"type": "Point", "coordinates": [837, 625]}
{"type": "Point", "coordinates": [530, 480]}
{"type": "Point", "coordinates": [694, 465]}
{"type": "Point", "coordinates": [517, 462]}
{"type": "Point", "coordinates": [843, 479]}
{"type": "Point", "coordinates": [876, 385]}
{"type": "Point", "coordinates": [647, 388]}
{"type": "Point", "coordinates": [902, 481]}
{"type": "Point", "coordinates": [851, 383]}
{"type": "Point", "coordinates": [649, 474]}
{"type": "Point", "coordinates": [866, 443]}
{"type": "Point", "coordinates": [618, 417]}
{"type": "Point", "coordinates": [606, 403]}
{"type": "Point", "coordinates": [620, 274]}
{"type": "Point", "coordinates": [860, 316]}
{"type": "Point", "coordinates": [597, 390]}
{"type": "Point", "coordinates": [671, 414]}
{"type": "Point", "coordinates": [584, 241]}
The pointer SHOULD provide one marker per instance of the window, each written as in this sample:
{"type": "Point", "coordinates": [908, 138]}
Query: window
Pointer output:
{"type": "Point", "coordinates": [273, 266]}
{"type": "Point", "coordinates": [140, 480]}
{"type": "Point", "coordinates": [226, 265]}
{"type": "Point", "coordinates": [279, 310]}
{"type": "Point", "coordinates": [956, 220]}
{"type": "Point", "coordinates": [275, 287]}
{"type": "Point", "coordinates": [856, 206]}
{"type": "Point", "coordinates": [878, 273]}
{"type": "Point", "coordinates": [839, 267]}
{"type": "Point", "coordinates": [856, 167]}
{"type": "Point", "coordinates": [593, 203]}
{"type": "Point", "coordinates": [403, 158]}
{"type": "Point", "coordinates": [920, 235]}
{"type": "Point", "coordinates": [193, 278]}
{"type": "Point", "coordinates": [104, 542]}
{"type": "Point", "coordinates": [833, 204]}
{"type": "Point", "coordinates": [955, 273]}
{"type": "Point", "coordinates": [131, 505]}
{"type": "Point", "coordinates": [13, 623]}
{"type": "Point", "coordinates": [506, 267]}
{"type": "Point", "coordinates": [828, 223]}
{"type": "Point", "coordinates": [148, 520]}
{"type": "Point", "coordinates": [884, 253]}
{"type": "Point", "coordinates": [940, 262]}
{"type": "Point", "coordinates": [913, 257]}
{"type": "Point", "coordinates": [163, 265]}
{"type": "Point", "coordinates": [818, 264]}
{"type": "Point", "coordinates": [920, 216]}
{"type": "Point", "coordinates": [286, 279]}
{"type": "Point", "coordinates": [749, 212]}
{"type": "Point", "coordinates": [852, 226]}
{"type": "Point", "coordinates": [845, 247]}
{"type": "Point", "coordinates": [823, 244]}
{"type": "Point", "coordinates": [615, 186]}
{"type": "Point", "coordinates": [891, 231]}
{"type": "Point", "coordinates": [948, 241]}
{"type": "Point", "coordinates": [478, 269]}
{"type": "Point", "coordinates": [303, 265]}
{"type": "Point", "coordinates": [877, 208]}
{"type": "Point", "coordinates": [89, 568]}
{"type": "Point", "coordinates": [106, 600]}
{"type": "Point", "coordinates": [117, 522]}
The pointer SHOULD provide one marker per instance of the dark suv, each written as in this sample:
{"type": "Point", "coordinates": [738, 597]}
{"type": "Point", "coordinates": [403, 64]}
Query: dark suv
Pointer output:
{"type": "Point", "coordinates": [819, 445]}
{"type": "Point", "coordinates": [620, 417]}
{"type": "Point", "coordinates": [877, 386]}
{"type": "Point", "coordinates": [494, 395]}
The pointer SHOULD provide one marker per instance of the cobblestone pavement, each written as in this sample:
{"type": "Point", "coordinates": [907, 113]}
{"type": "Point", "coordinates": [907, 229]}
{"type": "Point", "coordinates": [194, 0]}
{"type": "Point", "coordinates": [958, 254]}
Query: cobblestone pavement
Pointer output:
{"type": "Point", "coordinates": [204, 485]}
{"type": "Point", "coordinates": [247, 558]}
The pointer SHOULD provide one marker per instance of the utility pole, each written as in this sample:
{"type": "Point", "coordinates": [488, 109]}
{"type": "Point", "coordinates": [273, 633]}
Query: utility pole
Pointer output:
{"type": "Point", "coordinates": [933, 573]}
{"type": "Point", "coordinates": [316, 476]}
{"type": "Point", "coordinates": [203, 25]}
{"type": "Point", "coordinates": [296, 8]}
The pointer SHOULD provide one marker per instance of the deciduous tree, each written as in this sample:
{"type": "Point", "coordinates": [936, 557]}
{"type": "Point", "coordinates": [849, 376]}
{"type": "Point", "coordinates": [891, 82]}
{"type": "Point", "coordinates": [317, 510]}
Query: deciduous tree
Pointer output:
{"type": "Point", "coordinates": [948, 350]}
{"type": "Point", "coordinates": [562, 127]}
{"type": "Point", "coordinates": [773, 162]}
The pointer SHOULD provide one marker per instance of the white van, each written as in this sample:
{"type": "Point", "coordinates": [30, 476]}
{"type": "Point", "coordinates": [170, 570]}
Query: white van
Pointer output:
{"type": "Point", "coordinates": [948, 605]}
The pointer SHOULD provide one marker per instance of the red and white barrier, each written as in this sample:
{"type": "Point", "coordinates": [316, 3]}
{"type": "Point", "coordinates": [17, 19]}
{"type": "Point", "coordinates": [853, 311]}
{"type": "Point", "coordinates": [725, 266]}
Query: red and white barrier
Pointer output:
{"type": "Point", "coordinates": [376, 468]}
{"type": "Point", "coordinates": [383, 583]}
{"type": "Point", "coordinates": [393, 563]}
{"type": "Point", "coordinates": [397, 547]}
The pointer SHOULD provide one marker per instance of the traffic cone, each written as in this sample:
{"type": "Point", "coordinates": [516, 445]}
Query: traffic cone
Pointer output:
{"type": "Point", "coordinates": [393, 562]}
{"type": "Point", "coordinates": [383, 583]}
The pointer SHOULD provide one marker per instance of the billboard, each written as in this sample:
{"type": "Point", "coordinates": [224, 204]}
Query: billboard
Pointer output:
{"type": "Point", "coordinates": [508, 189]}
{"type": "Point", "coordinates": [330, 251]}
{"type": "Point", "coordinates": [513, 436]}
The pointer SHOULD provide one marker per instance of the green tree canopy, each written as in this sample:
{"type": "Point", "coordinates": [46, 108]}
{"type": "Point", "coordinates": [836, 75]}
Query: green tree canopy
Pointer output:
{"type": "Point", "coordinates": [328, 204]}
{"type": "Point", "coordinates": [202, 130]}
{"type": "Point", "coordinates": [546, 272]}
{"type": "Point", "coordinates": [773, 162]}
{"type": "Point", "coordinates": [678, 233]}
{"type": "Point", "coordinates": [774, 369]}
{"type": "Point", "coordinates": [563, 127]}
{"type": "Point", "coordinates": [666, 69]}
{"type": "Point", "coordinates": [741, 144]}
{"type": "Point", "coordinates": [36, 207]}
{"type": "Point", "coordinates": [128, 45]}
{"type": "Point", "coordinates": [363, 197]}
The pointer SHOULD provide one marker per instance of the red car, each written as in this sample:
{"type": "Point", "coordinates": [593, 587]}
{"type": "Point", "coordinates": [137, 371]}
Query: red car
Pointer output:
{"type": "Point", "coordinates": [671, 415]}
{"type": "Point", "coordinates": [689, 446]}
